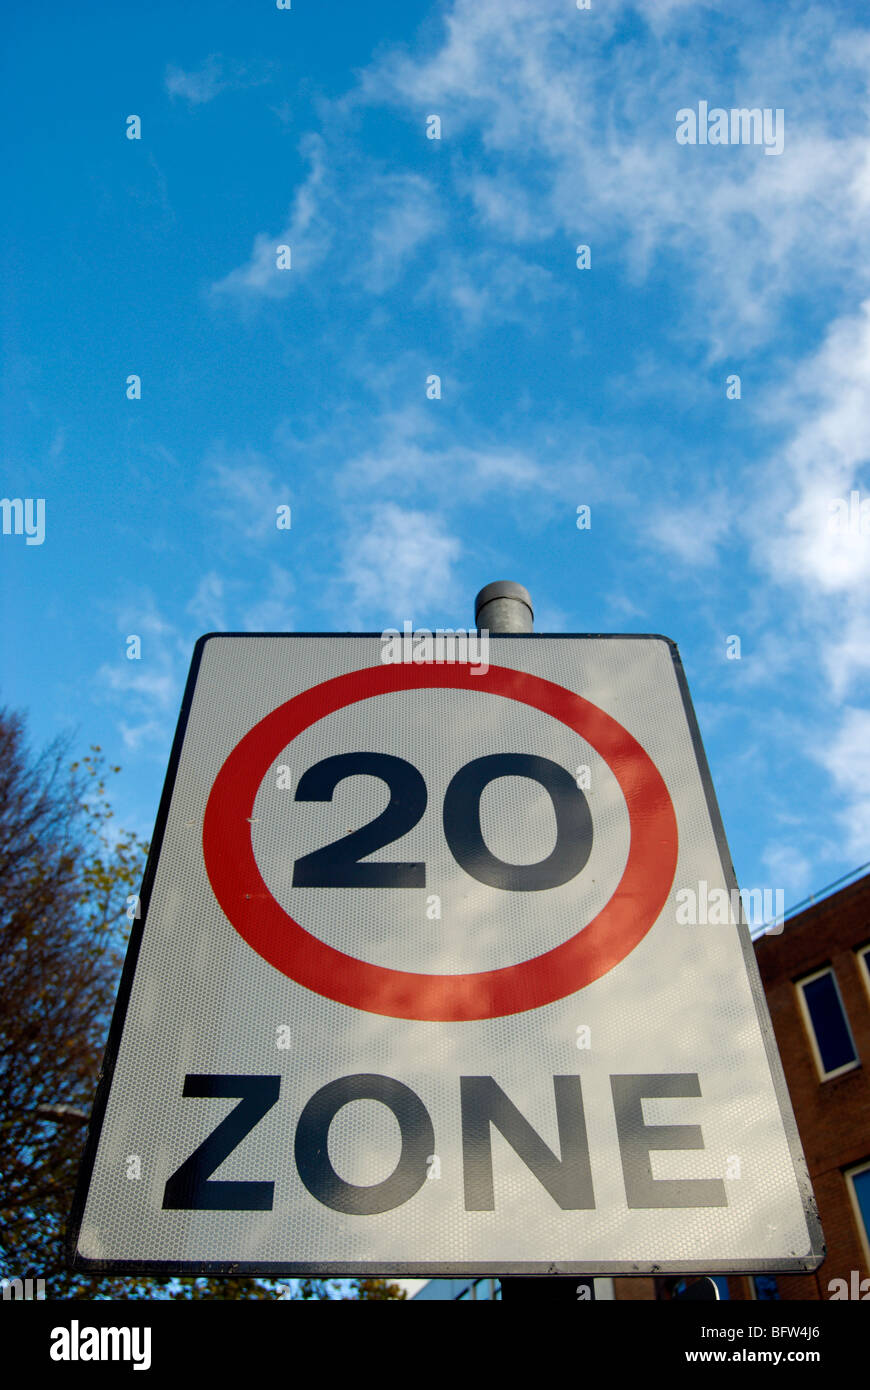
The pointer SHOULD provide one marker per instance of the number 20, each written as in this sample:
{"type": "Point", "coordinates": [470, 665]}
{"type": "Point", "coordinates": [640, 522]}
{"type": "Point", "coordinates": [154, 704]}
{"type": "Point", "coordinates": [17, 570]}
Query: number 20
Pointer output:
{"type": "Point", "coordinates": [337, 865]}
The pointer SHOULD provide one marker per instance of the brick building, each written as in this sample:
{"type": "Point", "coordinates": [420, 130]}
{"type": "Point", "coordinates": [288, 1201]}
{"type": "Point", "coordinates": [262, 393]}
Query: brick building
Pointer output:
{"type": "Point", "coordinates": [816, 976]}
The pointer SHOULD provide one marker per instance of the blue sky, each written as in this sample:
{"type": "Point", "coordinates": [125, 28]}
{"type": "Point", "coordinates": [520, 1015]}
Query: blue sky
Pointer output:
{"type": "Point", "coordinates": [455, 257]}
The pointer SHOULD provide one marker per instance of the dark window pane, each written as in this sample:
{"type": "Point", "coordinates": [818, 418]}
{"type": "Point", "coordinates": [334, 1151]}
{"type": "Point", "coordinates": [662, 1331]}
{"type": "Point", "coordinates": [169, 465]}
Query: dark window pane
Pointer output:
{"type": "Point", "coordinates": [765, 1286]}
{"type": "Point", "coordinates": [861, 1184]}
{"type": "Point", "coordinates": [829, 1022]}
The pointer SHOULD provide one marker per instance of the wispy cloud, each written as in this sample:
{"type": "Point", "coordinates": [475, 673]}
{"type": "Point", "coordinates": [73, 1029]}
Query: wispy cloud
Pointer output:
{"type": "Point", "coordinates": [409, 216]}
{"type": "Point", "coordinates": [258, 604]}
{"type": "Point", "coordinates": [847, 759]}
{"type": "Point", "coordinates": [308, 232]}
{"type": "Point", "coordinates": [827, 451]}
{"type": "Point", "coordinates": [410, 452]}
{"type": "Point", "coordinates": [538, 80]}
{"type": "Point", "coordinates": [207, 605]}
{"type": "Point", "coordinates": [217, 74]}
{"type": "Point", "coordinates": [787, 865]}
{"type": "Point", "coordinates": [380, 221]}
{"type": "Point", "coordinates": [272, 612]}
{"type": "Point", "coordinates": [824, 412]}
{"type": "Point", "coordinates": [245, 491]}
{"type": "Point", "coordinates": [560, 159]}
{"type": "Point", "coordinates": [693, 532]}
{"type": "Point", "coordinates": [196, 87]}
{"type": "Point", "coordinates": [489, 288]}
{"type": "Point", "coordinates": [399, 564]}
{"type": "Point", "coordinates": [825, 455]}
{"type": "Point", "coordinates": [145, 690]}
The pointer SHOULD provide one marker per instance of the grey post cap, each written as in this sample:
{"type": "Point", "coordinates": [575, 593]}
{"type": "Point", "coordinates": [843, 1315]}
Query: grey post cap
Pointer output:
{"type": "Point", "coordinates": [502, 588]}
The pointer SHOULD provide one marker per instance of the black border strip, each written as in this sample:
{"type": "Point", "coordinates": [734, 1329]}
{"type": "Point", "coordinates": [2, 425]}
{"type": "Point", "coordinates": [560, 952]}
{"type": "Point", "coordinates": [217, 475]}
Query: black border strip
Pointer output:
{"type": "Point", "coordinates": [799, 1264]}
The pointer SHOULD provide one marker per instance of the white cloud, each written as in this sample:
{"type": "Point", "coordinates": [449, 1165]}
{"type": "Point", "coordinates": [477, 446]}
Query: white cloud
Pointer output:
{"type": "Point", "coordinates": [586, 127]}
{"type": "Point", "coordinates": [825, 408]}
{"type": "Point", "coordinates": [578, 143]}
{"type": "Point", "coordinates": [216, 75]}
{"type": "Point", "coordinates": [272, 613]}
{"type": "Point", "coordinates": [246, 490]}
{"type": "Point", "coordinates": [151, 678]}
{"type": "Point", "coordinates": [827, 403]}
{"type": "Point", "coordinates": [196, 87]}
{"type": "Point", "coordinates": [147, 688]}
{"type": "Point", "coordinates": [265, 608]}
{"type": "Point", "coordinates": [380, 220]}
{"type": "Point", "coordinates": [409, 215]}
{"type": "Point", "coordinates": [308, 232]}
{"type": "Point", "coordinates": [400, 565]}
{"type": "Point", "coordinates": [507, 205]}
{"type": "Point", "coordinates": [207, 604]}
{"type": "Point", "coordinates": [152, 733]}
{"type": "Point", "coordinates": [789, 870]}
{"type": "Point", "coordinates": [692, 532]}
{"type": "Point", "coordinates": [407, 456]}
{"type": "Point", "coordinates": [846, 655]}
{"type": "Point", "coordinates": [153, 686]}
{"type": "Point", "coordinates": [847, 759]}
{"type": "Point", "coordinates": [550, 618]}
{"type": "Point", "coordinates": [489, 288]}
{"type": "Point", "coordinates": [825, 575]}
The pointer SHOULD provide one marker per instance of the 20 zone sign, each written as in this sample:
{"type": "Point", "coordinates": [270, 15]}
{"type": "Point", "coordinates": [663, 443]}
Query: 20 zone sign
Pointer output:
{"type": "Point", "coordinates": [409, 994]}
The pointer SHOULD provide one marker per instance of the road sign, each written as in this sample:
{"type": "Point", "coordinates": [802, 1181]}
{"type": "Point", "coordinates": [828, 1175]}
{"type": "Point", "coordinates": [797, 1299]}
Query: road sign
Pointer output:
{"type": "Point", "coordinates": [414, 989]}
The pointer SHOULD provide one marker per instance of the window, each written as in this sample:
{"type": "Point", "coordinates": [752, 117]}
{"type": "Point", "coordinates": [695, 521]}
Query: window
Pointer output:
{"type": "Point", "coordinates": [827, 1025]}
{"type": "Point", "coordinates": [477, 1289]}
{"type": "Point", "coordinates": [863, 954]}
{"type": "Point", "coordinates": [858, 1183]}
{"type": "Point", "coordinates": [680, 1288]}
{"type": "Point", "coordinates": [764, 1286]}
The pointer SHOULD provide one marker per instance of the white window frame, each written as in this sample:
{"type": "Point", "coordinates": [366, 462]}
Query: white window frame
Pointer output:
{"type": "Point", "coordinates": [811, 1032]}
{"type": "Point", "coordinates": [850, 1174]}
{"type": "Point", "coordinates": [863, 955]}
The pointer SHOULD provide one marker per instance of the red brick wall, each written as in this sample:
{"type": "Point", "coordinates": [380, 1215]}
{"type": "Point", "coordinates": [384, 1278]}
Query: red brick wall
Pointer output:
{"type": "Point", "coordinates": [833, 1117]}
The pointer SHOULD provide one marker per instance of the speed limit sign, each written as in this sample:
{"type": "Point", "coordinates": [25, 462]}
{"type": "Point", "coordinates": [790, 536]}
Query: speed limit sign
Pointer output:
{"type": "Point", "coordinates": [411, 990]}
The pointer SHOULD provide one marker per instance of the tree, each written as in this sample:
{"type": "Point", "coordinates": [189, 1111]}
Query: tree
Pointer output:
{"type": "Point", "coordinates": [65, 880]}
{"type": "Point", "coordinates": [64, 883]}
{"type": "Point", "coordinates": [57, 970]}
{"type": "Point", "coordinates": [378, 1290]}
{"type": "Point", "coordinates": [367, 1290]}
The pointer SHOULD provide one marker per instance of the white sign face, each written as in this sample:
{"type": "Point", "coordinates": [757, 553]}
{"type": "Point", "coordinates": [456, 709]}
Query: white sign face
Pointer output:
{"type": "Point", "coordinates": [432, 977]}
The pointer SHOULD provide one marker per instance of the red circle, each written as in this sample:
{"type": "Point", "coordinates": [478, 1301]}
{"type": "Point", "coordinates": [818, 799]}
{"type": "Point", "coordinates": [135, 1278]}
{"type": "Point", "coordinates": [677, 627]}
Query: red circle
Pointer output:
{"type": "Point", "coordinates": [611, 935]}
